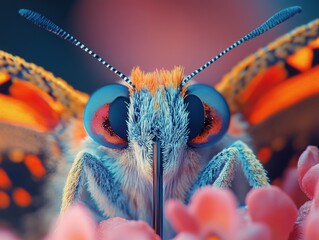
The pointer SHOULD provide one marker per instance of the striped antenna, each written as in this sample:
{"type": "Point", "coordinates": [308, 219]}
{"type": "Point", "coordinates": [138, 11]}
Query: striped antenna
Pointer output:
{"type": "Point", "coordinates": [276, 19]}
{"type": "Point", "coordinates": [48, 25]}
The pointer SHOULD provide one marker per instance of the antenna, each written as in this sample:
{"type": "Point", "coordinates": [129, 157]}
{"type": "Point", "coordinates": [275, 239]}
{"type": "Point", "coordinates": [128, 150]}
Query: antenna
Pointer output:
{"type": "Point", "coordinates": [48, 25]}
{"type": "Point", "coordinates": [276, 19]}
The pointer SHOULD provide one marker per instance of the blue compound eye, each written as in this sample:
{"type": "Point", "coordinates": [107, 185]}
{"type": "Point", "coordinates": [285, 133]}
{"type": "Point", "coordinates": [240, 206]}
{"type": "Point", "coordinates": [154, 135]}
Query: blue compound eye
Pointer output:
{"type": "Point", "coordinates": [105, 116]}
{"type": "Point", "coordinates": [209, 115]}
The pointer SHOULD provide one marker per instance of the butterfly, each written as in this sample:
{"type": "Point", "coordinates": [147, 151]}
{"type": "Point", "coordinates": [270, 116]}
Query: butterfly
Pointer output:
{"type": "Point", "coordinates": [156, 130]}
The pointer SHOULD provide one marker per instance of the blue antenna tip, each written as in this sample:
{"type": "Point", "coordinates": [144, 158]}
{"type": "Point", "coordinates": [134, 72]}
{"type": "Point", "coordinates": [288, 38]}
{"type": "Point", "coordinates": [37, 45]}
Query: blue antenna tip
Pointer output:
{"type": "Point", "coordinates": [296, 9]}
{"type": "Point", "coordinates": [40, 21]}
{"type": "Point", "coordinates": [24, 12]}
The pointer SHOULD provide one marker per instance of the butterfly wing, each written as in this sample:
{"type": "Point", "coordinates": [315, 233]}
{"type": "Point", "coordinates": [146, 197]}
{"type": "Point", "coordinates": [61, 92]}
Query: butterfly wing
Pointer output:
{"type": "Point", "coordinates": [276, 90]}
{"type": "Point", "coordinates": [40, 118]}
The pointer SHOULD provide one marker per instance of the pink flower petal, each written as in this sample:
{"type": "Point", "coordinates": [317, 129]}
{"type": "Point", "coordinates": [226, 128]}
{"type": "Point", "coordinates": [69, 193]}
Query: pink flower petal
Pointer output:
{"type": "Point", "coordinates": [243, 217]}
{"type": "Point", "coordinates": [75, 224]}
{"type": "Point", "coordinates": [215, 210]}
{"type": "Point", "coordinates": [271, 206]}
{"type": "Point", "coordinates": [297, 232]}
{"type": "Point", "coordinates": [290, 185]}
{"type": "Point", "coordinates": [315, 200]}
{"type": "Point", "coordinates": [308, 159]}
{"type": "Point", "coordinates": [180, 218]}
{"type": "Point", "coordinates": [309, 181]}
{"type": "Point", "coordinates": [117, 229]}
{"type": "Point", "coordinates": [253, 232]}
{"type": "Point", "coordinates": [186, 236]}
{"type": "Point", "coordinates": [7, 235]}
{"type": "Point", "coordinates": [108, 225]}
{"type": "Point", "coordinates": [311, 228]}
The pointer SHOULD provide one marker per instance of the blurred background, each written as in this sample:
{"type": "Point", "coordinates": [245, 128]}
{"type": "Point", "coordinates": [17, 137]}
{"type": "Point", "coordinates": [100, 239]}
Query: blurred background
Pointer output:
{"type": "Point", "coordinates": [149, 34]}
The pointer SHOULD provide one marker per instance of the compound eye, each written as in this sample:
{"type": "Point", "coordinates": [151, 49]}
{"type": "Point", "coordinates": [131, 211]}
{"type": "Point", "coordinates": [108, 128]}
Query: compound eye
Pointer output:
{"type": "Point", "coordinates": [195, 109]}
{"type": "Point", "coordinates": [209, 115]}
{"type": "Point", "coordinates": [105, 116]}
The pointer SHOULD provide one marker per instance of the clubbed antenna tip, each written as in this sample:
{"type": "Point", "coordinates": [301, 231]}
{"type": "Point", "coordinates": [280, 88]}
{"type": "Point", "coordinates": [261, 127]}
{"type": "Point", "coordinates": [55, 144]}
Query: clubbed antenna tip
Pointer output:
{"type": "Point", "coordinates": [39, 20]}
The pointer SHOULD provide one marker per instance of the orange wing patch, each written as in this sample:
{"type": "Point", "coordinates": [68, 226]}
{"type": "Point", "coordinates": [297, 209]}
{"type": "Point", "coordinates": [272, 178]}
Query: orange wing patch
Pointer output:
{"type": "Point", "coordinates": [264, 154]}
{"type": "Point", "coordinates": [302, 59]}
{"type": "Point", "coordinates": [4, 200]}
{"type": "Point", "coordinates": [282, 96]}
{"type": "Point", "coordinates": [16, 155]}
{"type": "Point", "coordinates": [34, 165]}
{"type": "Point", "coordinates": [26, 105]}
{"type": "Point", "coordinates": [5, 182]}
{"type": "Point", "coordinates": [21, 197]}
{"type": "Point", "coordinates": [4, 77]}
{"type": "Point", "coordinates": [263, 82]}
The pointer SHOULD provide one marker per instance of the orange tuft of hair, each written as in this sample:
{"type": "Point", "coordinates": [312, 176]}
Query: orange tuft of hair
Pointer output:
{"type": "Point", "coordinates": [152, 81]}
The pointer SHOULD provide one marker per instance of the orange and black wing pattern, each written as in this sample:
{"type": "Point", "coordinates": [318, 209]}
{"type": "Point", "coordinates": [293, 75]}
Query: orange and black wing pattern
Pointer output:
{"type": "Point", "coordinates": [277, 92]}
{"type": "Point", "coordinates": [37, 111]}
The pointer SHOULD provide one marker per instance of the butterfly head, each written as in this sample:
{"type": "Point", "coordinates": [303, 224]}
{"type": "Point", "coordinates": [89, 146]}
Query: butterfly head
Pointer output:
{"type": "Point", "coordinates": [156, 108]}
